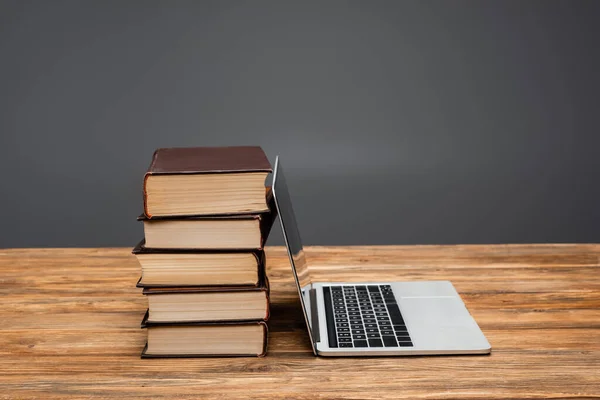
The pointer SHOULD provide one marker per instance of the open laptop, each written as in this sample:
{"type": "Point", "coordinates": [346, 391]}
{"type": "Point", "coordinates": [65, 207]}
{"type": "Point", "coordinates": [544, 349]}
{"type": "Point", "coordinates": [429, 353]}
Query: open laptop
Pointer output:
{"type": "Point", "coordinates": [376, 318]}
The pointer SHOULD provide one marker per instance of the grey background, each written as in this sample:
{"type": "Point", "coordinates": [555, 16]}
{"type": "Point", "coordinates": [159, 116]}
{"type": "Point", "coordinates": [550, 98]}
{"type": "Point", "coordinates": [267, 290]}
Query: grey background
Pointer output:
{"type": "Point", "coordinates": [399, 122]}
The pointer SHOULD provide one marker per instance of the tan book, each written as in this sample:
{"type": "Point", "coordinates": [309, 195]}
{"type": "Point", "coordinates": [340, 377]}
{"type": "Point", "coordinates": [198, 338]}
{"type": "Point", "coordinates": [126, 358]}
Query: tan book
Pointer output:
{"type": "Point", "coordinates": [205, 181]}
{"type": "Point", "coordinates": [178, 267]}
{"type": "Point", "coordinates": [212, 303]}
{"type": "Point", "coordinates": [205, 339]}
{"type": "Point", "coordinates": [237, 231]}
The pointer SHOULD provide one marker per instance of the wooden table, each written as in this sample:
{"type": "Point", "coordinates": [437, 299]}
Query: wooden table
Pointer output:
{"type": "Point", "coordinates": [69, 327]}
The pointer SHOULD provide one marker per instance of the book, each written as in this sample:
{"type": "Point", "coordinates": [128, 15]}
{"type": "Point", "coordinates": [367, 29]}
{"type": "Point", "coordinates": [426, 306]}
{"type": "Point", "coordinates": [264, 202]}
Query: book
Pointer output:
{"type": "Point", "coordinates": [206, 181]}
{"type": "Point", "coordinates": [208, 303]}
{"type": "Point", "coordinates": [233, 231]}
{"type": "Point", "coordinates": [177, 267]}
{"type": "Point", "coordinates": [205, 339]}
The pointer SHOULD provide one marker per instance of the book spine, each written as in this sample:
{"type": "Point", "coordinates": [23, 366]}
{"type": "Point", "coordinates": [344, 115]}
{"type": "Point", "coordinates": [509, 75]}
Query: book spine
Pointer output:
{"type": "Point", "coordinates": [148, 173]}
{"type": "Point", "coordinates": [265, 338]}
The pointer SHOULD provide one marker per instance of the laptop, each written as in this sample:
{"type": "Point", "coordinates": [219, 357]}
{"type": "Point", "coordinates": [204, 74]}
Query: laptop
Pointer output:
{"type": "Point", "coordinates": [376, 318]}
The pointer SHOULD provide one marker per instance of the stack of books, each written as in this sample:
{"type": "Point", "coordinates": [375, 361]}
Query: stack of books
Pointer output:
{"type": "Point", "coordinates": [207, 215]}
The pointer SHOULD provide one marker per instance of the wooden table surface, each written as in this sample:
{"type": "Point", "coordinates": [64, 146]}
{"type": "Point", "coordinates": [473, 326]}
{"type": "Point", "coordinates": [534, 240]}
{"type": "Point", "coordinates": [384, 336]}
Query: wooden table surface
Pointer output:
{"type": "Point", "coordinates": [69, 327]}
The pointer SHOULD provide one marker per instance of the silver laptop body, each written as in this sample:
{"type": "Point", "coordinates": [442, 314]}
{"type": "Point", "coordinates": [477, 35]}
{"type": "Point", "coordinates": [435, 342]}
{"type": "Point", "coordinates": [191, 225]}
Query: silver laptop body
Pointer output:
{"type": "Point", "coordinates": [391, 318]}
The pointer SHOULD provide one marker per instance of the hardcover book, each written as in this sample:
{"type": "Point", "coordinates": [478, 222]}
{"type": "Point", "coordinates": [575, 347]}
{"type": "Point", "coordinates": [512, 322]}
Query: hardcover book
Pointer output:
{"type": "Point", "coordinates": [195, 267]}
{"type": "Point", "coordinates": [208, 303]}
{"type": "Point", "coordinates": [206, 181]}
{"type": "Point", "coordinates": [205, 339]}
{"type": "Point", "coordinates": [233, 231]}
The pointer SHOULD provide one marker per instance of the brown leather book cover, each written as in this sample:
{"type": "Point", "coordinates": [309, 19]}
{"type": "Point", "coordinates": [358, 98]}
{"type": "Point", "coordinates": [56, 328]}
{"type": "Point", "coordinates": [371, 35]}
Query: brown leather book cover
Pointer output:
{"type": "Point", "coordinates": [209, 160]}
{"type": "Point", "coordinates": [260, 255]}
{"type": "Point", "coordinates": [145, 324]}
{"type": "Point", "coordinates": [266, 220]}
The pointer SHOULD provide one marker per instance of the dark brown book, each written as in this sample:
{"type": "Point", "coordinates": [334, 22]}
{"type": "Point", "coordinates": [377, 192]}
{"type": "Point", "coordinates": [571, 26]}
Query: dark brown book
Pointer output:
{"type": "Point", "coordinates": [205, 339]}
{"type": "Point", "coordinates": [208, 303]}
{"type": "Point", "coordinates": [193, 267]}
{"type": "Point", "coordinates": [233, 231]}
{"type": "Point", "coordinates": [205, 181]}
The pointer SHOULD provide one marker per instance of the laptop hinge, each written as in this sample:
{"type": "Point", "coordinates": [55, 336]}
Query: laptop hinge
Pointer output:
{"type": "Point", "coordinates": [314, 315]}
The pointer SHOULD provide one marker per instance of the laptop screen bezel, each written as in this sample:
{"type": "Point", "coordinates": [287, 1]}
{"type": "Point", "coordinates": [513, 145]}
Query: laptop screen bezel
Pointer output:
{"type": "Point", "coordinates": [279, 206]}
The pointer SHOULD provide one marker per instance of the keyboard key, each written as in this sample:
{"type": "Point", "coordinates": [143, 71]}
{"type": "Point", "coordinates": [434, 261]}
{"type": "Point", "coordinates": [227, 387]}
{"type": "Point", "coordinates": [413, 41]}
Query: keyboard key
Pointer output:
{"type": "Point", "coordinates": [344, 340]}
{"type": "Point", "coordinates": [375, 343]}
{"type": "Point", "coordinates": [361, 343]}
{"type": "Point", "coordinates": [400, 327]}
{"type": "Point", "coordinates": [343, 329]}
{"type": "Point", "coordinates": [387, 331]}
{"type": "Point", "coordinates": [393, 308]}
{"type": "Point", "coordinates": [357, 326]}
{"type": "Point", "coordinates": [369, 320]}
{"type": "Point", "coordinates": [352, 309]}
{"type": "Point", "coordinates": [371, 326]}
{"type": "Point", "coordinates": [382, 319]}
{"type": "Point", "coordinates": [389, 341]}
{"type": "Point", "coordinates": [385, 323]}
{"type": "Point", "coordinates": [344, 334]}
{"type": "Point", "coordinates": [371, 330]}
{"type": "Point", "coordinates": [355, 318]}
{"type": "Point", "coordinates": [373, 288]}
{"type": "Point", "coordinates": [358, 331]}
{"type": "Point", "coordinates": [345, 345]}
{"type": "Point", "coordinates": [360, 336]}
{"type": "Point", "coordinates": [405, 344]}
{"type": "Point", "coordinates": [394, 311]}
{"type": "Point", "coordinates": [341, 325]}
{"type": "Point", "coordinates": [373, 335]}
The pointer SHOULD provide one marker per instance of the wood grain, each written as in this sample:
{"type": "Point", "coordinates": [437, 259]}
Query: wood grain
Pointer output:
{"type": "Point", "coordinates": [70, 328]}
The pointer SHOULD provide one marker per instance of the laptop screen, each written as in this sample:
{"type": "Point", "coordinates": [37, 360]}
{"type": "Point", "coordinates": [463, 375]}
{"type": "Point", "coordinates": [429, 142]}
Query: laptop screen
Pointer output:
{"type": "Point", "coordinates": [293, 242]}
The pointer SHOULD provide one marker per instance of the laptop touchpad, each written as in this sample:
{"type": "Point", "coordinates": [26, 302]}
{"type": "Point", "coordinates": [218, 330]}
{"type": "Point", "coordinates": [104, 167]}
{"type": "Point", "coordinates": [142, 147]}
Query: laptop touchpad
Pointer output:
{"type": "Point", "coordinates": [439, 322]}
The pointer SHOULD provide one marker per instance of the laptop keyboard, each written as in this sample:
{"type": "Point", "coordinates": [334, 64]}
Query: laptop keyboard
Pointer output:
{"type": "Point", "coordinates": [364, 316]}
